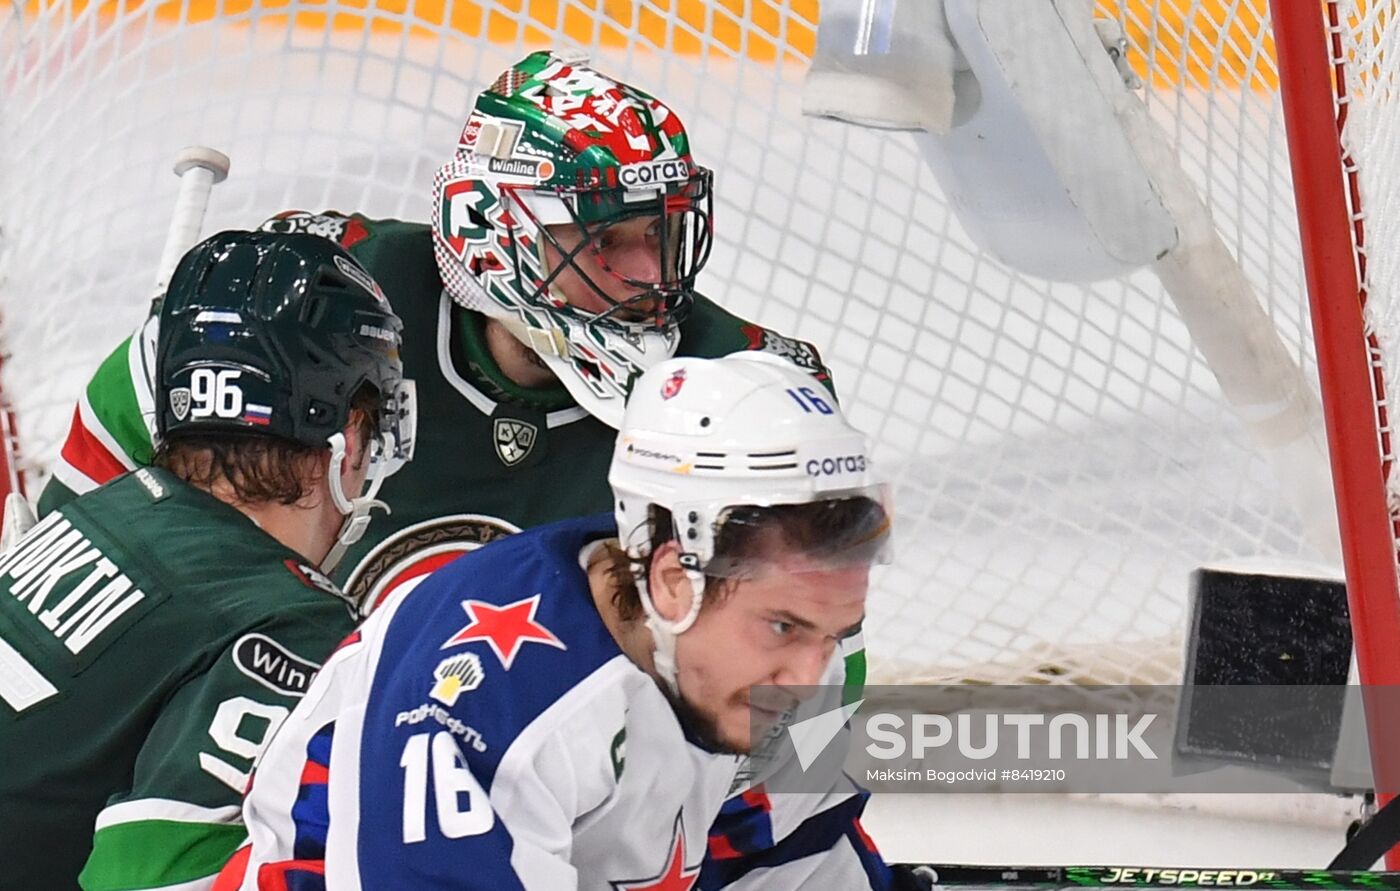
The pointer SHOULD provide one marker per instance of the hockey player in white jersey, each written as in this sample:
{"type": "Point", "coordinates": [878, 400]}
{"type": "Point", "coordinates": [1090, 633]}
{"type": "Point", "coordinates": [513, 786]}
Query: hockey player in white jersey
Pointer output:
{"type": "Point", "coordinates": [569, 708]}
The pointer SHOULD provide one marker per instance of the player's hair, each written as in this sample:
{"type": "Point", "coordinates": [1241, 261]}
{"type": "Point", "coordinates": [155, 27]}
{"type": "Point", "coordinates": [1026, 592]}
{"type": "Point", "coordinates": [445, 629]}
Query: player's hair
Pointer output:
{"type": "Point", "coordinates": [260, 468]}
{"type": "Point", "coordinates": [748, 533]}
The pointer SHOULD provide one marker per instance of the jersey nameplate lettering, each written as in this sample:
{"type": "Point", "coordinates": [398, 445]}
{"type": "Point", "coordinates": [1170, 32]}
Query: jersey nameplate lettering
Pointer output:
{"type": "Point", "coordinates": [50, 558]}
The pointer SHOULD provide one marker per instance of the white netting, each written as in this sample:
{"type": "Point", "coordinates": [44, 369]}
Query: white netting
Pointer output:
{"type": "Point", "coordinates": [1062, 454]}
{"type": "Point", "coordinates": [1367, 36]}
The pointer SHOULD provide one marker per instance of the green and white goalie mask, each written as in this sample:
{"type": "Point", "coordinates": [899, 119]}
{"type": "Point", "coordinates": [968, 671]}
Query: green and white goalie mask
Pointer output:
{"type": "Point", "coordinates": [746, 463]}
{"type": "Point", "coordinates": [573, 213]}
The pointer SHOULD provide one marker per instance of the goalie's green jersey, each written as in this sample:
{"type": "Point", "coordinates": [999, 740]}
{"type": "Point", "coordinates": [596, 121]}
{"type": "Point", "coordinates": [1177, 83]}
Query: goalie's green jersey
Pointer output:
{"type": "Point", "coordinates": [491, 457]}
{"type": "Point", "coordinates": [151, 639]}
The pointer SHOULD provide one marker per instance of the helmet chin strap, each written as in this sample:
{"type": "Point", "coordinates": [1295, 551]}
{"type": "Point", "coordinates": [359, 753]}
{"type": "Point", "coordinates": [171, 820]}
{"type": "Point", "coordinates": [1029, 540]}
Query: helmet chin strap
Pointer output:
{"type": "Point", "coordinates": [547, 343]}
{"type": "Point", "coordinates": [664, 632]}
{"type": "Point", "coordinates": [553, 349]}
{"type": "Point", "coordinates": [355, 510]}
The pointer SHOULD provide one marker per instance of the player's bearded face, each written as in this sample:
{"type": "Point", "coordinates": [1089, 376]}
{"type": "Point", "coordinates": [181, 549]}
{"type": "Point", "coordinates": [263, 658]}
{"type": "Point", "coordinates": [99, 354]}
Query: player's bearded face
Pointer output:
{"type": "Point", "coordinates": [778, 629]}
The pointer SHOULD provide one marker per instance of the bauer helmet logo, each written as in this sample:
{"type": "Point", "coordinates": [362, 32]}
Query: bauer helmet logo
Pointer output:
{"type": "Point", "coordinates": [361, 278]}
{"type": "Point", "coordinates": [646, 174]}
{"type": "Point", "coordinates": [180, 402]}
{"type": "Point", "coordinates": [673, 384]}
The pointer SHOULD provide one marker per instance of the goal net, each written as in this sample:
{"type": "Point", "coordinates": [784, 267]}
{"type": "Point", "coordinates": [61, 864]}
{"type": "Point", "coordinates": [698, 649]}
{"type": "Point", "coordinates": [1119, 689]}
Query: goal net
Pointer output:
{"type": "Point", "coordinates": [1062, 454]}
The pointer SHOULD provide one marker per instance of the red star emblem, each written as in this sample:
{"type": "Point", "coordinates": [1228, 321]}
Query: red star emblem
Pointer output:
{"type": "Point", "coordinates": [506, 628]}
{"type": "Point", "coordinates": [675, 876]}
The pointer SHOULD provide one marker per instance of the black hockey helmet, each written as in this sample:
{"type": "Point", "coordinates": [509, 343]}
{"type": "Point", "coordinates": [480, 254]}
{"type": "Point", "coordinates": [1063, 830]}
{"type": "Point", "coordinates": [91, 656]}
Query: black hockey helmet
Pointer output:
{"type": "Point", "coordinates": [273, 333]}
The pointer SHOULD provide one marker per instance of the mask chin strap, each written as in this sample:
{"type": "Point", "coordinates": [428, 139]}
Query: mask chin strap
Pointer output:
{"type": "Point", "coordinates": [664, 632]}
{"type": "Point", "coordinates": [355, 510]}
{"type": "Point", "coordinates": [549, 342]}
{"type": "Point", "coordinates": [553, 349]}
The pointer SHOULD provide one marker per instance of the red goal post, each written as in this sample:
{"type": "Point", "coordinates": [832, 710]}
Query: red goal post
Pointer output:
{"type": "Point", "coordinates": [1314, 71]}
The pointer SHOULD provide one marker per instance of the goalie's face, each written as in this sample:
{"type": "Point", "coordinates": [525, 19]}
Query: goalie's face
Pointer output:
{"type": "Point", "coordinates": [612, 255]}
{"type": "Point", "coordinates": [614, 265]}
{"type": "Point", "coordinates": [779, 629]}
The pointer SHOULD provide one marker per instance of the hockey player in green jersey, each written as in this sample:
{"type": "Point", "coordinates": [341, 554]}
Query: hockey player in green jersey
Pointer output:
{"type": "Point", "coordinates": [155, 631]}
{"type": "Point", "coordinates": [567, 232]}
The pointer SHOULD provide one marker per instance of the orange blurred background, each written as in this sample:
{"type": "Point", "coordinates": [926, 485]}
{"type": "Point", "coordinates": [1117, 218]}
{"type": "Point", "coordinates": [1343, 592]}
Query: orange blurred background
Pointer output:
{"type": "Point", "coordinates": [1220, 42]}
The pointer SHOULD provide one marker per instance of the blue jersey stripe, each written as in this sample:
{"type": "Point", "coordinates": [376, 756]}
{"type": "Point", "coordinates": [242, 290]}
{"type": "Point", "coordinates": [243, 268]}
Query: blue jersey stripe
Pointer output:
{"type": "Point", "coordinates": [311, 812]}
{"type": "Point", "coordinates": [822, 832]}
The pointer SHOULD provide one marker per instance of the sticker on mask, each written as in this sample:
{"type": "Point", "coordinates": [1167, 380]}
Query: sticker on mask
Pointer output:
{"type": "Point", "coordinates": [649, 174]}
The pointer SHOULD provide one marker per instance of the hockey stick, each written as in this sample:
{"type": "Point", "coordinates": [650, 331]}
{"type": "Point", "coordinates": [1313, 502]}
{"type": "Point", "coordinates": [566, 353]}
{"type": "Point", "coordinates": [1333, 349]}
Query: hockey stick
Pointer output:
{"type": "Point", "coordinates": [200, 169]}
{"type": "Point", "coordinates": [940, 875]}
{"type": "Point", "coordinates": [1376, 836]}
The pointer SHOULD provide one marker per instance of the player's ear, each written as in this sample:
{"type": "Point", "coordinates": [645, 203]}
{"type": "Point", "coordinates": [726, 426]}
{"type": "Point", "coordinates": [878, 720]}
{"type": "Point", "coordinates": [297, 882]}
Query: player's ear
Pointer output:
{"type": "Point", "coordinates": [356, 440]}
{"type": "Point", "coordinates": [668, 583]}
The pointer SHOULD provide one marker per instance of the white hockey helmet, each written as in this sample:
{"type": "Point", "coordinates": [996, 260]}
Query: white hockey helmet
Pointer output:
{"type": "Point", "coordinates": [705, 438]}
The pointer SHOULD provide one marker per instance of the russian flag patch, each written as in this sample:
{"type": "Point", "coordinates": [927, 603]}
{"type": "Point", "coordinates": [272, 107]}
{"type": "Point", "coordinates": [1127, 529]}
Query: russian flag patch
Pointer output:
{"type": "Point", "coordinates": [257, 414]}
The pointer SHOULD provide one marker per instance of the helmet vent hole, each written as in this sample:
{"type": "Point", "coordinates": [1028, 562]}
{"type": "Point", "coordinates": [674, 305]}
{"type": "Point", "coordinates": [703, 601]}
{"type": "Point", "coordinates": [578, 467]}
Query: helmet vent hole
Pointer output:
{"type": "Point", "coordinates": [318, 412]}
{"type": "Point", "coordinates": [313, 310]}
{"type": "Point", "coordinates": [331, 280]}
{"type": "Point", "coordinates": [705, 421]}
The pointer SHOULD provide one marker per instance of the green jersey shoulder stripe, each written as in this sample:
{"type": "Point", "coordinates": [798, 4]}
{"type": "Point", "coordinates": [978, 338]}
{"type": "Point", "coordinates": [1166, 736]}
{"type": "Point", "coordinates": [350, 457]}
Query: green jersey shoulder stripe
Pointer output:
{"type": "Point", "coordinates": [112, 429]}
{"type": "Point", "coordinates": [122, 396]}
{"type": "Point", "coordinates": [167, 854]}
{"type": "Point", "coordinates": [142, 809]}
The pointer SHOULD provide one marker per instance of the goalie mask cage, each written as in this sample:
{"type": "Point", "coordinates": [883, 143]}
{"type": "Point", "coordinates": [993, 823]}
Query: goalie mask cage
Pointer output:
{"type": "Point", "coordinates": [1062, 454]}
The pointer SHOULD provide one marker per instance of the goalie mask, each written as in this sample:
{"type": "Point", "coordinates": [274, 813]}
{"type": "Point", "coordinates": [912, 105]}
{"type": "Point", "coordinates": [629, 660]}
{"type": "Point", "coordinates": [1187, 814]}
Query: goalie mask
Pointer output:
{"type": "Point", "coordinates": [274, 334]}
{"type": "Point", "coordinates": [724, 445]}
{"type": "Point", "coordinates": [573, 213]}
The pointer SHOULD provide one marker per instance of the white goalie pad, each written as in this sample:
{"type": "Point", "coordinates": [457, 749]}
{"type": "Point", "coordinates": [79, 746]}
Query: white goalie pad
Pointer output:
{"type": "Point", "coordinates": [1054, 166]}
{"type": "Point", "coordinates": [883, 63]}
{"type": "Point", "coordinates": [1032, 153]}
{"type": "Point", "coordinates": [19, 519]}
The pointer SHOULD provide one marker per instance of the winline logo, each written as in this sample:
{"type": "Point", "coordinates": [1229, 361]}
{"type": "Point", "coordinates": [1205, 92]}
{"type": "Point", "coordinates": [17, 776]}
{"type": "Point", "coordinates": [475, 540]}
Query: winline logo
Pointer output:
{"type": "Point", "coordinates": [521, 167]}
